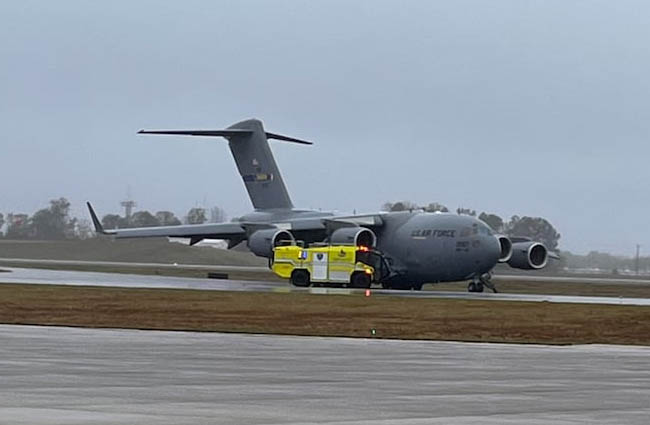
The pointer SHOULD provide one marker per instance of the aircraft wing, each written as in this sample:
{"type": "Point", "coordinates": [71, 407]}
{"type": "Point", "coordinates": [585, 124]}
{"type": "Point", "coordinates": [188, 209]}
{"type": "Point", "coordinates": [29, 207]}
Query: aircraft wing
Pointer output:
{"type": "Point", "coordinates": [237, 232]}
{"type": "Point", "coordinates": [195, 232]}
{"type": "Point", "coordinates": [366, 220]}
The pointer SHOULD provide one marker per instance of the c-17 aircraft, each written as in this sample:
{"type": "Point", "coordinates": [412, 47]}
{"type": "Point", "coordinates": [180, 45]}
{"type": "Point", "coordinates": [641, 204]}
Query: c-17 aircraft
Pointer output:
{"type": "Point", "coordinates": [418, 247]}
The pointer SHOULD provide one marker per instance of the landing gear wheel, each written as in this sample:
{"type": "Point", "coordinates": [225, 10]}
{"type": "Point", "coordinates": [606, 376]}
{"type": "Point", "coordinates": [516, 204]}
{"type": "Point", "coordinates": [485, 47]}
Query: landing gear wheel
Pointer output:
{"type": "Point", "coordinates": [486, 281]}
{"type": "Point", "coordinates": [300, 278]}
{"type": "Point", "coordinates": [475, 287]}
{"type": "Point", "coordinates": [417, 286]}
{"type": "Point", "coordinates": [360, 280]}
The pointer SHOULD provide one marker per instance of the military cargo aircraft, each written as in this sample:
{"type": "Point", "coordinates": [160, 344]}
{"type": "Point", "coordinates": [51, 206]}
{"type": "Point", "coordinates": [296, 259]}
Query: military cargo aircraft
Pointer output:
{"type": "Point", "coordinates": [418, 247]}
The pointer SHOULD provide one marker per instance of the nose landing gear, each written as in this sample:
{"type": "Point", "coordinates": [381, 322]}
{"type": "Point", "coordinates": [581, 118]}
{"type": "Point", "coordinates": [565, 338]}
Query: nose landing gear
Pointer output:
{"type": "Point", "coordinates": [478, 283]}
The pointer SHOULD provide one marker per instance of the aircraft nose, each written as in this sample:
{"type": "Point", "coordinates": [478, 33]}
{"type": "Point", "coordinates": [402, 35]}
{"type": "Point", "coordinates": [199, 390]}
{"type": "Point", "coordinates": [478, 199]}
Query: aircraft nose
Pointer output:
{"type": "Point", "coordinates": [493, 248]}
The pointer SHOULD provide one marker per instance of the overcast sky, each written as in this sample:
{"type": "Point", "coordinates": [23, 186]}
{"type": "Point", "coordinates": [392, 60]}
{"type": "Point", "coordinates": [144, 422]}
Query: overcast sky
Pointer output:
{"type": "Point", "coordinates": [537, 108]}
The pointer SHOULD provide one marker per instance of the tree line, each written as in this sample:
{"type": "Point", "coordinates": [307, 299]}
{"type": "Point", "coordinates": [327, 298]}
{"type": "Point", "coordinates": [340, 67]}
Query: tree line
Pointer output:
{"type": "Point", "coordinates": [537, 228]}
{"type": "Point", "coordinates": [163, 218]}
{"type": "Point", "coordinates": [49, 223]}
{"type": "Point", "coordinates": [56, 223]}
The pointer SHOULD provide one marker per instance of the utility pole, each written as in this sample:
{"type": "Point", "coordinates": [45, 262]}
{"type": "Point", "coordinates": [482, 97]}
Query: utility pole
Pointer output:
{"type": "Point", "coordinates": [636, 260]}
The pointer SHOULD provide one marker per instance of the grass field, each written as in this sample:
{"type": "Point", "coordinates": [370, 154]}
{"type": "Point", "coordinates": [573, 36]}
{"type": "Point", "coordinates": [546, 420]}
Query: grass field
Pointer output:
{"type": "Point", "coordinates": [152, 250]}
{"type": "Point", "coordinates": [324, 315]}
{"type": "Point", "coordinates": [510, 284]}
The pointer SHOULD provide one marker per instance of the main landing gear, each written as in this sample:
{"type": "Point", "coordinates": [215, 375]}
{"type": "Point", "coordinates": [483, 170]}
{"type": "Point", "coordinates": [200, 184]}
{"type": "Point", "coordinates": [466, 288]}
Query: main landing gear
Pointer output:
{"type": "Point", "coordinates": [403, 286]}
{"type": "Point", "coordinates": [480, 282]}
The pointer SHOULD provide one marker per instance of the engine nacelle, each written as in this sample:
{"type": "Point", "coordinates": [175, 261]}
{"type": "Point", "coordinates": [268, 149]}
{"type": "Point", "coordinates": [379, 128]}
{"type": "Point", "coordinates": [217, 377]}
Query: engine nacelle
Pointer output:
{"type": "Point", "coordinates": [528, 256]}
{"type": "Point", "coordinates": [262, 242]}
{"type": "Point", "coordinates": [359, 236]}
{"type": "Point", "coordinates": [506, 248]}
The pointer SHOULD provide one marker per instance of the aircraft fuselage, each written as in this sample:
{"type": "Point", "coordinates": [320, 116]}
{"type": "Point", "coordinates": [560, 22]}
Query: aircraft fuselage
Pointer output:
{"type": "Point", "coordinates": [431, 247]}
{"type": "Point", "coordinates": [420, 247]}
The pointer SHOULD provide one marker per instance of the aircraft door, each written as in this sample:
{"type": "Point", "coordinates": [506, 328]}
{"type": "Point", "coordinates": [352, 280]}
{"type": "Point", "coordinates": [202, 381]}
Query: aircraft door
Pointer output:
{"type": "Point", "coordinates": [319, 268]}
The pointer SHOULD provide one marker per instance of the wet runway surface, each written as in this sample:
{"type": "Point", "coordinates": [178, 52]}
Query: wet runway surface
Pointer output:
{"type": "Point", "coordinates": [89, 376]}
{"type": "Point", "coordinates": [61, 277]}
{"type": "Point", "coordinates": [531, 277]}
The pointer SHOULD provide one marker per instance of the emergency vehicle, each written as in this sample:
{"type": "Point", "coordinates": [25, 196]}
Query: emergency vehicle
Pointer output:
{"type": "Point", "coordinates": [350, 265]}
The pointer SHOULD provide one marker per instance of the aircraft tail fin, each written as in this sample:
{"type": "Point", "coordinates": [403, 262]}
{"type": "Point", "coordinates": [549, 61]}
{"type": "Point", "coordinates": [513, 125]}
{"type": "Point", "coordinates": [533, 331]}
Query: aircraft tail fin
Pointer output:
{"type": "Point", "coordinates": [250, 147]}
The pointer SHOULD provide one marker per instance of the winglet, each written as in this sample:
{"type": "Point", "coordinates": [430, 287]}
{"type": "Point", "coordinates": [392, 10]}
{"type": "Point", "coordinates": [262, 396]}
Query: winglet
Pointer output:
{"type": "Point", "coordinates": [98, 224]}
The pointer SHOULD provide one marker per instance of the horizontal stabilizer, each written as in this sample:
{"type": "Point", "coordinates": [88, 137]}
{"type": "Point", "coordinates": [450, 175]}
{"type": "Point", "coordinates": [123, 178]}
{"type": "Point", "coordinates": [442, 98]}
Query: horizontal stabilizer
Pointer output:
{"type": "Point", "coordinates": [231, 133]}
{"type": "Point", "coordinates": [207, 133]}
{"type": "Point", "coordinates": [287, 139]}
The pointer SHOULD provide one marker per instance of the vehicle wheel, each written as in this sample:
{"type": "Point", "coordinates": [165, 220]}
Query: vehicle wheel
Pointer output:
{"type": "Point", "coordinates": [471, 287]}
{"type": "Point", "coordinates": [479, 287]}
{"type": "Point", "coordinates": [360, 280]}
{"type": "Point", "coordinates": [300, 278]}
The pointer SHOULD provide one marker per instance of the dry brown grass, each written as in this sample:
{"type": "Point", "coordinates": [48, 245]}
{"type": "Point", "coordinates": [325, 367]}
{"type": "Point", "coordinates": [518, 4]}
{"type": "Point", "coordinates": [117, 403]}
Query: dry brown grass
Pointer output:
{"type": "Point", "coordinates": [325, 315]}
{"type": "Point", "coordinates": [154, 250]}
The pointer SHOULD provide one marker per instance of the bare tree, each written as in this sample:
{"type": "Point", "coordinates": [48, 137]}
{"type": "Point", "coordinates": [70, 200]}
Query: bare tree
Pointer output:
{"type": "Point", "coordinates": [492, 220]}
{"type": "Point", "coordinates": [400, 206]}
{"type": "Point", "coordinates": [18, 226]}
{"type": "Point", "coordinates": [143, 219]}
{"type": "Point", "coordinates": [217, 215]}
{"type": "Point", "coordinates": [435, 207]}
{"type": "Point", "coordinates": [466, 211]}
{"type": "Point", "coordinates": [536, 228]}
{"type": "Point", "coordinates": [167, 218]}
{"type": "Point", "coordinates": [84, 230]}
{"type": "Point", "coordinates": [196, 216]}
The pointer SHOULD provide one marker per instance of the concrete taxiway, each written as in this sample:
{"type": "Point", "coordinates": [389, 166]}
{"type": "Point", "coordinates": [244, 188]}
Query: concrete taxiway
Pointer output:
{"type": "Point", "coordinates": [61, 277]}
{"type": "Point", "coordinates": [89, 376]}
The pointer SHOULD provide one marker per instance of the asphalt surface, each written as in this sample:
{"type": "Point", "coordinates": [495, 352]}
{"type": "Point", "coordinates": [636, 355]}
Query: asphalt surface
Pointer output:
{"type": "Point", "coordinates": [61, 277]}
{"type": "Point", "coordinates": [89, 376]}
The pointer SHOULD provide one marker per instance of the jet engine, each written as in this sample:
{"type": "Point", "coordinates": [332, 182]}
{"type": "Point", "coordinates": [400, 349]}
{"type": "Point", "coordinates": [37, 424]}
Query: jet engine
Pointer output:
{"type": "Point", "coordinates": [359, 236]}
{"type": "Point", "coordinates": [506, 248]}
{"type": "Point", "coordinates": [262, 242]}
{"type": "Point", "coordinates": [528, 256]}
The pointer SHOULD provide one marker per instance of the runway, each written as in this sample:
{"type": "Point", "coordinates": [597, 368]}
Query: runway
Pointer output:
{"type": "Point", "coordinates": [531, 277]}
{"type": "Point", "coordinates": [61, 277]}
{"type": "Point", "coordinates": [89, 376]}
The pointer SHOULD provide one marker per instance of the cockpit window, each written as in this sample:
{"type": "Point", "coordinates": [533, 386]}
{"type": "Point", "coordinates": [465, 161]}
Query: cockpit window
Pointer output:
{"type": "Point", "coordinates": [485, 230]}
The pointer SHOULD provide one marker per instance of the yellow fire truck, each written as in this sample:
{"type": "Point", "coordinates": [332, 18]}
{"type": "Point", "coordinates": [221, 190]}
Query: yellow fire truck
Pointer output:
{"type": "Point", "coordinates": [353, 266]}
